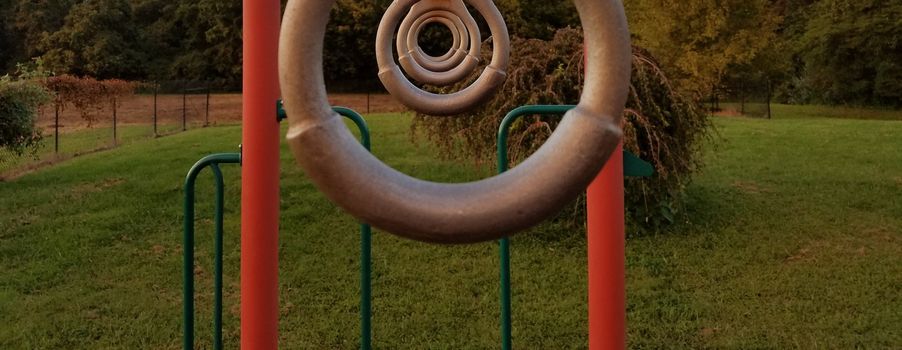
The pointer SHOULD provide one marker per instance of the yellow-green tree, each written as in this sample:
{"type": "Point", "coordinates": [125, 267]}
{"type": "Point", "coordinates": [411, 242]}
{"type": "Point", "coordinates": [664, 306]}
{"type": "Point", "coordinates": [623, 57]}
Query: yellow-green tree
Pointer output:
{"type": "Point", "coordinates": [699, 41]}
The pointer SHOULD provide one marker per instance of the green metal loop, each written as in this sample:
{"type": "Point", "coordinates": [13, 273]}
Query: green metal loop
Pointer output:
{"type": "Point", "coordinates": [217, 259]}
{"type": "Point", "coordinates": [212, 161]}
{"type": "Point", "coordinates": [366, 244]}
{"type": "Point", "coordinates": [358, 121]}
{"type": "Point", "coordinates": [632, 165]}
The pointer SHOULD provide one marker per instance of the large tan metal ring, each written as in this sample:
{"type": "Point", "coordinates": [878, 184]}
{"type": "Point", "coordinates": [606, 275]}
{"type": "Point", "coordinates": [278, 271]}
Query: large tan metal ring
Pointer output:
{"type": "Point", "coordinates": [490, 80]}
{"type": "Point", "coordinates": [464, 212]}
{"type": "Point", "coordinates": [407, 53]}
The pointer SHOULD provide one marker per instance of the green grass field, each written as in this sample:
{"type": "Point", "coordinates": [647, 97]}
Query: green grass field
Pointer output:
{"type": "Point", "coordinates": [792, 239]}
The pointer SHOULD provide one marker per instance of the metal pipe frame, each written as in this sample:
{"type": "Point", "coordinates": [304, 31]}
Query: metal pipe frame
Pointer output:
{"type": "Point", "coordinates": [366, 245]}
{"type": "Point", "coordinates": [213, 162]}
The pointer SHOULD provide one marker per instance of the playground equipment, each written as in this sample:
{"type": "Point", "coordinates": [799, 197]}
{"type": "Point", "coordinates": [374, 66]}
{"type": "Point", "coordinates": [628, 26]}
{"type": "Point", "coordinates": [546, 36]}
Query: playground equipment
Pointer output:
{"type": "Point", "coordinates": [588, 136]}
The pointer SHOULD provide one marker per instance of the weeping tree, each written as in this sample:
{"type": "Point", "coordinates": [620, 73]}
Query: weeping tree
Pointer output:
{"type": "Point", "coordinates": [660, 125]}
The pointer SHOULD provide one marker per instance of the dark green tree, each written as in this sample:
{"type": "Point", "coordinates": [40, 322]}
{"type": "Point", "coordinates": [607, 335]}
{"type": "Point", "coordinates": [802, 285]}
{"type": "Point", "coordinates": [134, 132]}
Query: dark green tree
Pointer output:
{"type": "Point", "coordinates": [210, 45]}
{"type": "Point", "coordinates": [97, 39]}
{"type": "Point", "coordinates": [852, 52]}
{"type": "Point", "coordinates": [537, 19]}
{"type": "Point", "coordinates": [349, 50]}
{"type": "Point", "coordinates": [26, 24]}
{"type": "Point", "coordinates": [9, 37]}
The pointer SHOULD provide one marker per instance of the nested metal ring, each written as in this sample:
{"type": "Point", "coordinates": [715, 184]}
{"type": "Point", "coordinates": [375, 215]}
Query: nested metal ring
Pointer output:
{"type": "Point", "coordinates": [455, 10]}
{"type": "Point", "coordinates": [406, 41]}
{"type": "Point", "coordinates": [462, 212]}
{"type": "Point", "coordinates": [491, 78]}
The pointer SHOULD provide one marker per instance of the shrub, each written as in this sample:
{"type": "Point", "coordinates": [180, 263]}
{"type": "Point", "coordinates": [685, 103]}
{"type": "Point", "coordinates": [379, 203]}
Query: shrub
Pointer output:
{"type": "Point", "coordinates": [20, 98]}
{"type": "Point", "coordinates": [661, 126]}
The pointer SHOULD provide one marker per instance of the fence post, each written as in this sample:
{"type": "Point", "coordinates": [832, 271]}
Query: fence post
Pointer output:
{"type": "Point", "coordinates": [207, 115]}
{"type": "Point", "coordinates": [367, 102]}
{"type": "Point", "coordinates": [115, 143]}
{"type": "Point", "coordinates": [155, 87]}
{"type": "Point", "coordinates": [742, 97]}
{"type": "Point", "coordinates": [56, 125]}
{"type": "Point", "coordinates": [769, 93]}
{"type": "Point", "coordinates": [184, 109]}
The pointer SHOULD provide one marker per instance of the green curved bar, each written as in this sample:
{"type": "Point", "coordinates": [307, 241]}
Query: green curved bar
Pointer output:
{"type": "Point", "coordinates": [359, 121]}
{"type": "Point", "coordinates": [366, 244]}
{"type": "Point", "coordinates": [632, 165]}
{"type": "Point", "coordinates": [212, 161]}
{"type": "Point", "coordinates": [504, 244]}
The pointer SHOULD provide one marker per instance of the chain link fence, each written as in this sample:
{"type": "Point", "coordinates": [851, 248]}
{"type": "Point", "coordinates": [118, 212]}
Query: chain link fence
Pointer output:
{"type": "Point", "coordinates": [156, 109]}
{"type": "Point", "coordinates": [747, 98]}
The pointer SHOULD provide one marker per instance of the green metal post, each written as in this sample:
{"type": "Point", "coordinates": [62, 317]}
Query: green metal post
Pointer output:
{"type": "Point", "coordinates": [217, 260]}
{"type": "Point", "coordinates": [188, 266]}
{"type": "Point", "coordinates": [188, 246]}
{"type": "Point", "coordinates": [504, 244]}
{"type": "Point", "coordinates": [366, 251]}
{"type": "Point", "coordinates": [366, 245]}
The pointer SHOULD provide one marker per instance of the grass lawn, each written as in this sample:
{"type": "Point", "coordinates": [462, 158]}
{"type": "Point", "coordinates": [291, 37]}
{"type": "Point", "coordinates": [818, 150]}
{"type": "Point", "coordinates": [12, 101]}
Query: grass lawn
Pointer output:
{"type": "Point", "coordinates": [792, 237]}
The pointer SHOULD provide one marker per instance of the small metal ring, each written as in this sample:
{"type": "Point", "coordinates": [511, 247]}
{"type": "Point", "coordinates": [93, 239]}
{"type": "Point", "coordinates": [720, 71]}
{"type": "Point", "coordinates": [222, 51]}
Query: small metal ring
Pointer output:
{"type": "Point", "coordinates": [449, 60]}
{"type": "Point", "coordinates": [485, 210]}
{"type": "Point", "coordinates": [453, 57]}
{"type": "Point", "coordinates": [414, 36]}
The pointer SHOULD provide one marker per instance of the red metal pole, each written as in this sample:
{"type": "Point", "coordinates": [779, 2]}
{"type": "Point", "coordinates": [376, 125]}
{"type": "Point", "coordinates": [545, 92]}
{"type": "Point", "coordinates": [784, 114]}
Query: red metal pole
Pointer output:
{"type": "Point", "coordinates": [606, 246]}
{"type": "Point", "coordinates": [260, 177]}
{"type": "Point", "coordinates": [606, 238]}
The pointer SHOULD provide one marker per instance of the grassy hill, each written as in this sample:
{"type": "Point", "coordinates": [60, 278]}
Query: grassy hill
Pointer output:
{"type": "Point", "coordinates": [792, 237]}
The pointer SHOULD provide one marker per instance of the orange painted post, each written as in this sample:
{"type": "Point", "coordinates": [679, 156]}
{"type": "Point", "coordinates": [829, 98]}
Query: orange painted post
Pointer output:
{"type": "Point", "coordinates": [606, 236]}
{"type": "Point", "coordinates": [260, 177]}
{"type": "Point", "coordinates": [606, 246]}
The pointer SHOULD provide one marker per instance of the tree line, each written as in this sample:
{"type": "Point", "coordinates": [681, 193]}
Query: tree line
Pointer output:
{"type": "Point", "coordinates": [812, 51]}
